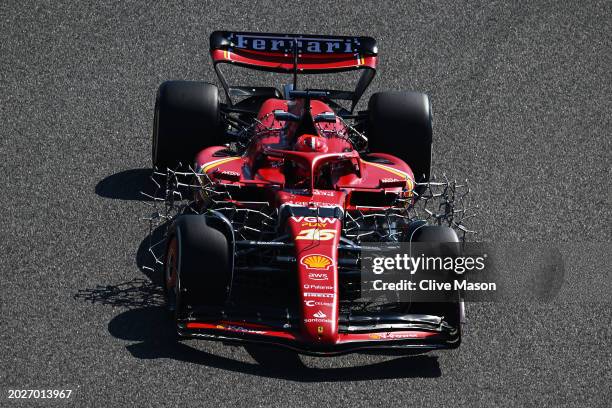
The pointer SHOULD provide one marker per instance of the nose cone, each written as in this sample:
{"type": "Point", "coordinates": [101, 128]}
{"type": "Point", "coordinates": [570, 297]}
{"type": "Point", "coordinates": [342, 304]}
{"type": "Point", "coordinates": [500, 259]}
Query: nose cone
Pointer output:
{"type": "Point", "coordinates": [316, 242]}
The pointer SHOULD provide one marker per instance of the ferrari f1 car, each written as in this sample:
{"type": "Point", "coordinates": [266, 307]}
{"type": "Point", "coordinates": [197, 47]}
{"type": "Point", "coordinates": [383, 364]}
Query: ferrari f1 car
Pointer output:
{"type": "Point", "coordinates": [286, 186]}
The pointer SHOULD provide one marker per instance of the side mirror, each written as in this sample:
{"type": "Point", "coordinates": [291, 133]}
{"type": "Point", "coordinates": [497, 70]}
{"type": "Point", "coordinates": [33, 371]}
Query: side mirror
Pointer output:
{"type": "Point", "coordinates": [285, 116]}
{"type": "Point", "coordinates": [329, 117]}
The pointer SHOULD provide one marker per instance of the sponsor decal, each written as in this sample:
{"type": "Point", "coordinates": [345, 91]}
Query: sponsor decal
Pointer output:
{"type": "Point", "coordinates": [313, 303]}
{"type": "Point", "coordinates": [319, 315]}
{"type": "Point", "coordinates": [318, 295]}
{"type": "Point", "coordinates": [317, 276]}
{"type": "Point", "coordinates": [308, 203]}
{"type": "Point", "coordinates": [325, 220]}
{"type": "Point", "coordinates": [392, 182]}
{"type": "Point", "coordinates": [285, 45]}
{"type": "Point", "coordinates": [227, 174]}
{"type": "Point", "coordinates": [397, 172]}
{"type": "Point", "coordinates": [316, 261]}
{"type": "Point", "coordinates": [318, 287]}
{"type": "Point", "coordinates": [245, 330]}
{"type": "Point", "coordinates": [239, 329]}
{"type": "Point", "coordinates": [323, 193]}
{"type": "Point", "coordinates": [317, 321]}
{"type": "Point", "coordinates": [314, 221]}
{"type": "Point", "coordinates": [316, 234]}
{"type": "Point", "coordinates": [393, 336]}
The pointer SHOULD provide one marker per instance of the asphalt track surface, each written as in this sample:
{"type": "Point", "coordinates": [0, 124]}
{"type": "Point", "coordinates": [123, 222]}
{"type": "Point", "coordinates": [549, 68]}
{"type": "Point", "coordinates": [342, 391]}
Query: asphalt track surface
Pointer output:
{"type": "Point", "coordinates": [521, 95]}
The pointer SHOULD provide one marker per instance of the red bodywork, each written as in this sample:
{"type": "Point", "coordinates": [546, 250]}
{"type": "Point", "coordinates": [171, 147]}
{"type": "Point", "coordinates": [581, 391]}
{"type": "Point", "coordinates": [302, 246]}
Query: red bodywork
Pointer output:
{"type": "Point", "coordinates": [270, 60]}
{"type": "Point", "coordinates": [316, 239]}
{"type": "Point", "coordinates": [278, 164]}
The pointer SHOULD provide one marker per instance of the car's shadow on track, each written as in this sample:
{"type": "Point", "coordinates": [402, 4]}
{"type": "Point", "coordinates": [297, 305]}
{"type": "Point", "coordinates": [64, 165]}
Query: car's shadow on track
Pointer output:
{"type": "Point", "coordinates": [127, 185]}
{"type": "Point", "coordinates": [152, 331]}
{"type": "Point", "coordinates": [147, 324]}
{"type": "Point", "coordinates": [149, 327]}
{"type": "Point", "coordinates": [150, 253]}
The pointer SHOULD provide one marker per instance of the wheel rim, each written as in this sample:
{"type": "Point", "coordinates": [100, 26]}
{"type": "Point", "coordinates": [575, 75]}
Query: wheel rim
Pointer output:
{"type": "Point", "coordinates": [171, 273]}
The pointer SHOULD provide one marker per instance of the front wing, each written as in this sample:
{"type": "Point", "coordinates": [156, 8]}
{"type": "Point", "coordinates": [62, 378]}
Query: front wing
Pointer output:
{"type": "Point", "coordinates": [421, 339]}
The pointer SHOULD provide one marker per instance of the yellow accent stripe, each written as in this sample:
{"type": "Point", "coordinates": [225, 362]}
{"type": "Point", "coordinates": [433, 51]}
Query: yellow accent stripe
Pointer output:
{"type": "Point", "coordinates": [394, 171]}
{"type": "Point", "coordinates": [207, 166]}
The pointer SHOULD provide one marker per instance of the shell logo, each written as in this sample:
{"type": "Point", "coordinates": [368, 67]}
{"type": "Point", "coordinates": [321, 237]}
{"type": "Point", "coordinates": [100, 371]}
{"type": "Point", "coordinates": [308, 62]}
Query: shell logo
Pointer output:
{"type": "Point", "coordinates": [316, 261]}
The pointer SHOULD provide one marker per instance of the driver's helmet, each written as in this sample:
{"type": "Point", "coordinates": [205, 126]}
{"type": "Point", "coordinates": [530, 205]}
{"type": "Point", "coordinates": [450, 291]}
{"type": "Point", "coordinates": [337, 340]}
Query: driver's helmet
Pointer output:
{"type": "Point", "coordinates": [311, 143]}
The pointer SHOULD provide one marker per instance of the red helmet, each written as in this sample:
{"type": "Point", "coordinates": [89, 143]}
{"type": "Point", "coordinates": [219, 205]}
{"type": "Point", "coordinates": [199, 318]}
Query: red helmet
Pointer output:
{"type": "Point", "coordinates": [311, 143]}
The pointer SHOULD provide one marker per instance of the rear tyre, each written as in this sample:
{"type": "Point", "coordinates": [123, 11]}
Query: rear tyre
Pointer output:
{"type": "Point", "coordinates": [186, 120]}
{"type": "Point", "coordinates": [400, 123]}
{"type": "Point", "coordinates": [198, 264]}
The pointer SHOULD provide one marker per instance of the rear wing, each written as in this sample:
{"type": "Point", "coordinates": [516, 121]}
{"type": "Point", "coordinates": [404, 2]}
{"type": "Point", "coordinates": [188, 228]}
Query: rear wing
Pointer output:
{"type": "Point", "coordinates": [296, 53]}
{"type": "Point", "coordinates": [275, 52]}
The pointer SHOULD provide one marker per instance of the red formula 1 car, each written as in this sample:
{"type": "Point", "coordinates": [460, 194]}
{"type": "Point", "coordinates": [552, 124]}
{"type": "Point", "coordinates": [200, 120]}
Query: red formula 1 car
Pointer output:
{"type": "Point", "coordinates": [284, 187]}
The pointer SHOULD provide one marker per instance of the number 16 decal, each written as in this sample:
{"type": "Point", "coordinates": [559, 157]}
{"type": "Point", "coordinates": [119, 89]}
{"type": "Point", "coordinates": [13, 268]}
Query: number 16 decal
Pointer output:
{"type": "Point", "coordinates": [316, 234]}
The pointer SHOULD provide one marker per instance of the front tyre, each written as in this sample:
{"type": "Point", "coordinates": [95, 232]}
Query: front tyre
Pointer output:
{"type": "Point", "coordinates": [439, 241]}
{"type": "Point", "coordinates": [197, 265]}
